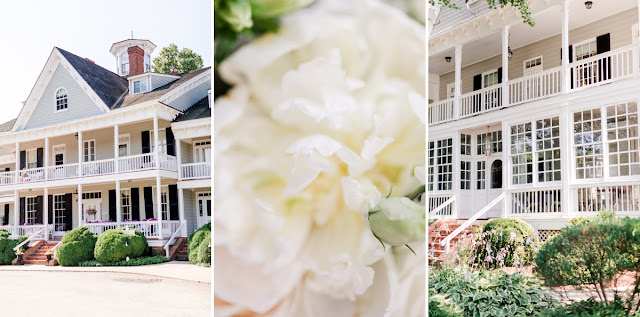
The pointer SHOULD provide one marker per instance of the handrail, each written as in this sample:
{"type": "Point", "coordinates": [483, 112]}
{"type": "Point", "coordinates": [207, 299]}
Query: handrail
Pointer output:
{"type": "Point", "coordinates": [534, 75]}
{"type": "Point", "coordinates": [468, 223]}
{"type": "Point", "coordinates": [602, 55]}
{"type": "Point", "coordinates": [442, 206]}
{"type": "Point", "coordinates": [28, 239]}
{"type": "Point", "coordinates": [166, 246]}
{"type": "Point", "coordinates": [53, 250]}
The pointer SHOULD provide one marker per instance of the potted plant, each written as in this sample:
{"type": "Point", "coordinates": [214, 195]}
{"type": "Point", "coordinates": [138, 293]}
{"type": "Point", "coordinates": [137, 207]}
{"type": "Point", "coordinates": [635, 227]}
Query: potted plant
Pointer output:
{"type": "Point", "coordinates": [19, 253]}
{"type": "Point", "coordinates": [48, 255]}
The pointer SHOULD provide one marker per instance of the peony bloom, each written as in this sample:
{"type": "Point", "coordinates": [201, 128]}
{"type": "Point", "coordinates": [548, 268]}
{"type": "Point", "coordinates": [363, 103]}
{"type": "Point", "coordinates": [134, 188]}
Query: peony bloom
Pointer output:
{"type": "Point", "coordinates": [324, 116]}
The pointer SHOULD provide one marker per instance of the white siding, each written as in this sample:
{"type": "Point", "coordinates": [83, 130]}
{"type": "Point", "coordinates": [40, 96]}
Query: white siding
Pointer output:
{"type": "Point", "coordinates": [449, 18]}
{"type": "Point", "coordinates": [79, 103]}
{"type": "Point", "coordinates": [194, 95]}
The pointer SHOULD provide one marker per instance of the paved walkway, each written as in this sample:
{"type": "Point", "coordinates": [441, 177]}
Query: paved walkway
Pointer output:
{"type": "Point", "coordinates": [175, 269]}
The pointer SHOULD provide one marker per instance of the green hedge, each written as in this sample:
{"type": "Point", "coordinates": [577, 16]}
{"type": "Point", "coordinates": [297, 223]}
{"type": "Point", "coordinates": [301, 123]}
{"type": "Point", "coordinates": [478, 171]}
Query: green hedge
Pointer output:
{"type": "Point", "coordinates": [506, 242]}
{"type": "Point", "coordinates": [114, 245]}
{"type": "Point", "coordinates": [591, 308]}
{"type": "Point", "coordinates": [143, 260]}
{"type": "Point", "coordinates": [204, 251]}
{"type": "Point", "coordinates": [76, 246]}
{"type": "Point", "coordinates": [200, 236]}
{"type": "Point", "coordinates": [6, 247]}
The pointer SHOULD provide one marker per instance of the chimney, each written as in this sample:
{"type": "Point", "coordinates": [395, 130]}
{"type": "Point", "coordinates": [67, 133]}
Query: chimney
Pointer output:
{"type": "Point", "coordinates": [136, 60]}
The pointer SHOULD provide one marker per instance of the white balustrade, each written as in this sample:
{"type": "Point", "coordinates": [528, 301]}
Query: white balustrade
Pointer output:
{"type": "Point", "coordinates": [481, 101]}
{"type": "Point", "coordinates": [37, 231]}
{"type": "Point", "coordinates": [437, 204]}
{"type": "Point", "coordinates": [31, 175]}
{"type": "Point", "coordinates": [441, 111]}
{"type": "Point", "coordinates": [195, 171]}
{"type": "Point", "coordinates": [536, 201]}
{"type": "Point", "coordinates": [602, 68]}
{"type": "Point", "coordinates": [101, 227]}
{"type": "Point", "coordinates": [618, 198]}
{"type": "Point", "coordinates": [137, 162]}
{"type": "Point", "coordinates": [168, 162]}
{"type": "Point", "coordinates": [536, 86]}
{"type": "Point", "coordinates": [63, 171]}
{"type": "Point", "coordinates": [101, 167]}
{"type": "Point", "coordinates": [7, 178]}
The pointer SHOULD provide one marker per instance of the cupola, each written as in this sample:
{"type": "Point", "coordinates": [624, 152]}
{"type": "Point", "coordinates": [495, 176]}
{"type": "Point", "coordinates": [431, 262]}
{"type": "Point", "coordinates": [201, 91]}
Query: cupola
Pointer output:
{"type": "Point", "coordinates": [133, 56]}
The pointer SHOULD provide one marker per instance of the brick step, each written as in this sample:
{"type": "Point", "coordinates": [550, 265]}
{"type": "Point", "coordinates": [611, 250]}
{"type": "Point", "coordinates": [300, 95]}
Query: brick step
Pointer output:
{"type": "Point", "coordinates": [38, 262]}
{"type": "Point", "coordinates": [182, 257]}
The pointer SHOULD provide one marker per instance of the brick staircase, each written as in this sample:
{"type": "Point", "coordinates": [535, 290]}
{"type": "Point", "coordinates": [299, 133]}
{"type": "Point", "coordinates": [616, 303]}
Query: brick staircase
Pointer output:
{"type": "Point", "coordinates": [182, 252]}
{"type": "Point", "coordinates": [38, 255]}
{"type": "Point", "coordinates": [440, 230]}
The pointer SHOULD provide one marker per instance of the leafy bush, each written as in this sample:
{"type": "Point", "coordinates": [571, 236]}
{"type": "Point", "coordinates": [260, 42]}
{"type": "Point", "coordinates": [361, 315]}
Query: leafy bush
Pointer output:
{"type": "Point", "coordinates": [204, 251]}
{"type": "Point", "coordinates": [114, 245]}
{"type": "Point", "coordinates": [6, 247]}
{"type": "Point", "coordinates": [593, 254]}
{"type": "Point", "coordinates": [506, 242]}
{"type": "Point", "coordinates": [195, 239]}
{"type": "Point", "coordinates": [603, 215]}
{"type": "Point", "coordinates": [491, 293]}
{"type": "Point", "coordinates": [76, 246]}
{"type": "Point", "coordinates": [591, 308]}
{"type": "Point", "coordinates": [143, 260]}
{"type": "Point", "coordinates": [441, 306]}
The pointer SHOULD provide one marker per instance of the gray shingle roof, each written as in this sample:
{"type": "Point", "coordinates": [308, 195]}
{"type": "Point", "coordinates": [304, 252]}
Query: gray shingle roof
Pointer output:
{"type": "Point", "coordinates": [105, 83]}
{"type": "Point", "coordinates": [199, 110]}
{"type": "Point", "coordinates": [7, 125]}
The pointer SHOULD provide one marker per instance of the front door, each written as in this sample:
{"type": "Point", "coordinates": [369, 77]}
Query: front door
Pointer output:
{"type": "Point", "coordinates": [487, 184]}
{"type": "Point", "coordinates": [204, 209]}
{"type": "Point", "coordinates": [62, 214]}
{"type": "Point", "coordinates": [92, 209]}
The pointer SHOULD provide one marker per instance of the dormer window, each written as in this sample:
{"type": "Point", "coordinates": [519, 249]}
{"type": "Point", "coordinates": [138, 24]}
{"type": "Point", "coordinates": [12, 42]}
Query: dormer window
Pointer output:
{"type": "Point", "coordinates": [61, 99]}
{"type": "Point", "coordinates": [147, 63]}
{"type": "Point", "coordinates": [140, 86]}
{"type": "Point", "coordinates": [124, 64]}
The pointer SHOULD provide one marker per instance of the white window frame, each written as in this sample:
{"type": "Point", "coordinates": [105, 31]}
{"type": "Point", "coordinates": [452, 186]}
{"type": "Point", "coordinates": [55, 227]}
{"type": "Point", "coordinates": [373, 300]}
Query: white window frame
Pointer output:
{"type": "Point", "coordinates": [127, 141]}
{"type": "Point", "coordinates": [451, 94]}
{"type": "Point", "coordinates": [59, 206]}
{"type": "Point", "coordinates": [532, 70]}
{"type": "Point", "coordinates": [163, 141]}
{"type": "Point", "coordinates": [84, 155]}
{"type": "Point", "coordinates": [31, 216]}
{"type": "Point", "coordinates": [488, 73]}
{"type": "Point", "coordinates": [164, 202]}
{"type": "Point", "coordinates": [202, 146]}
{"type": "Point", "coordinates": [575, 45]}
{"type": "Point", "coordinates": [125, 208]}
{"type": "Point", "coordinates": [147, 63]}
{"type": "Point", "coordinates": [123, 71]}
{"type": "Point", "coordinates": [55, 100]}
{"type": "Point", "coordinates": [203, 196]}
{"type": "Point", "coordinates": [35, 155]}
{"type": "Point", "coordinates": [140, 81]}
{"type": "Point", "coordinates": [59, 149]}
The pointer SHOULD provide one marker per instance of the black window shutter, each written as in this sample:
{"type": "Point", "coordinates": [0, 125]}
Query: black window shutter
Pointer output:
{"type": "Point", "coordinates": [68, 212]}
{"type": "Point", "coordinates": [135, 203]}
{"type": "Point", "coordinates": [40, 157]}
{"type": "Point", "coordinates": [22, 210]}
{"type": "Point", "coordinates": [5, 220]}
{"type": "Point", "coordinates": [171, 143]}
{"type": "Point", "coordinates": [148, 202]}
{"type": "Point", "coordinates": [603, 45]}
{"type": "Point", "coordinates": [173, 202]}
{"type": "Point", "coordinates": [50, 202]}
{"type": "Point", "coordinates": [23, 159]}
{"type": "Point", "coordinates": [570, 61]}
{"type": "Point", "coordinates": [6, 169]}
{"type": "Point", "coordinates": [477, 82]}
{"type": "Point", "coordinates": [146, 144]}
{"type": "Point", "coordinates": [112, 205]}
{"type": "Point", "coordinates": [499, 75]}
{"type": "Point", "coordinates": [39, 208]}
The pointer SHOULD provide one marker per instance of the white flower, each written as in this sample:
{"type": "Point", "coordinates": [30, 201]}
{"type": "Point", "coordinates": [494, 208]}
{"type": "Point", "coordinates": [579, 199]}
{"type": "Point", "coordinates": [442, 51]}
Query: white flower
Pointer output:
{"type": "Point", "coordinates": [323, 117]}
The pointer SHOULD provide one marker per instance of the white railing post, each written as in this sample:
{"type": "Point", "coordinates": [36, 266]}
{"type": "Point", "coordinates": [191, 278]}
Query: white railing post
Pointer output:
{"type": "Point", "coordinates": [46, 158]}
{"type": "Point", "coordinates": [159, 204]}
{"type": "Point", "coordinates": [179, 158]}
{"type": "Point", "coordinates": [458, 82]}
{"type": "Point", "coordinates": [505, 66]}
{"type": "Point", "coordinates": [181, 210]}
{"type": "Point", "coordinates": [506, 167]}
{"type": "Point", "coordinates": [564, 20]}
{"type": "Point", "coordinates": [17, 162]}
{"type": "Point", "coordinates": [116, 148]}
{"type": "Point", "coordinates": [80, 150]}
{"type": "Point", "coordinates": [156, 140]}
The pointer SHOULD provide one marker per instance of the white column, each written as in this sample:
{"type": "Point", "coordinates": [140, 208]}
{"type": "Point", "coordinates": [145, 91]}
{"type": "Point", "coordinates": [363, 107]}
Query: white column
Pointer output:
{"type": "Point", "coordinates": [16, 211]}
{"type": "Point", "coordinates": [45, 217]}
{"type": "Point", "coordinates": [80, 211]}
{"type": "Point", "coordinates": [636, 48]}
{"type": "Point", "coordinates": [506, 168]}
{"type": "Point", "coordinates": [17, 161]}
{"type": "Point", "coordinates": [505, 66]}
{"type": "Point", "coordinates": [564, 20]}
{"type": "Point", "coordinates": [183, 232]}
{"type": "Point", "coordinates": [458, 82]}
{"type": "Point", "coordinates": [456, 167]}
{"type": "Point", "coordinates": [156, 149]}
{"type": "Point", "coordinates": [116, 144]}
{"type": "Point", "coordinates": [179, 158]}
{"type": "Point", "coordinates": [159, 202]}
{"type": "Point", "coordinates": [118, 204]}
{"type": "Point", "coordinates": [80, 150]}
{"type": "Point", "coordinates": [46, 158]}
{"type": "Point", "coordinates": [566, 154]}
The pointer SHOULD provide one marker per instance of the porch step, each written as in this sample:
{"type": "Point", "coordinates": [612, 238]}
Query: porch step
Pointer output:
{"type": "Point", "coordinates": [182, 253]}
{"type": "Point", "coordinates": [37, 253]}
{"type": "Point", "coordinates": [438, 231]}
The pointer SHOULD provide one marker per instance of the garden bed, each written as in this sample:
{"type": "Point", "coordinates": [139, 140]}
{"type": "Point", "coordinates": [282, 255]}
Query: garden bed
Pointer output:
{"type": "Point", "coordinates": [143, 260]}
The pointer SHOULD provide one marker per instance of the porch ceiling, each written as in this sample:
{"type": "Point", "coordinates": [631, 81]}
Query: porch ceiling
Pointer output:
{"type": "Point", "coordinates": [547, 25]}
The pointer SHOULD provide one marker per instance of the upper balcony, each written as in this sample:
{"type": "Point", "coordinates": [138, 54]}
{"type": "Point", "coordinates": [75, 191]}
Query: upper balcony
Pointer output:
{"type": "Point", "coordinates": [516, 63]}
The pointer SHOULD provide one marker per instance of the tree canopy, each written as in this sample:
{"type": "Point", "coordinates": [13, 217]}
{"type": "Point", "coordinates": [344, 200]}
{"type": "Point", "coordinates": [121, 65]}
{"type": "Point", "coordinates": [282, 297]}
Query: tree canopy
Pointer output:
{"type": "Point", "coordinates": [173, 60]}
{"type": "Point", "coordinates": [521, 5]}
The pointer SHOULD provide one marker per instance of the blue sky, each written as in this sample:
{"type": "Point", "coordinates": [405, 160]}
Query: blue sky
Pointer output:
{"type": "Point", "coordinates": [30, 29]}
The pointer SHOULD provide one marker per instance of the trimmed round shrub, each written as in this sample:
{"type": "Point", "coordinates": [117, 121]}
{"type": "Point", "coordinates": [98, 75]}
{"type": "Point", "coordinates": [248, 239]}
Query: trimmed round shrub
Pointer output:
{"type": "Point", "coordinates": [114, 245]}
{"type": "Point", "coordinates": [76, 246]}
{"type": "Point", "coordinates": [6, 247]}
{"type": "Point", "coordinates": [506, 242]}
{"type": "Point", "coordinates": [195, 239]}
{"type": "Point", "coordinates": [204, 251]}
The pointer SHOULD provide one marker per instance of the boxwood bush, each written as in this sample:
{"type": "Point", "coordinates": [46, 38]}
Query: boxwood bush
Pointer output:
{"type": "Point", "coordinates": [76, 246]}
{"type": "Point", "coordinates": [114, 245]}
{"type": "Point", "coordinates": [506, 242]}
{"type": "Point", "coordinates": [195, 240]}
{"type": "Point", "coordinates": [6, 247]}
{"type": "Point", "coordinates": [204, 251]}
{"type": "Point", "coordinates": [143, 260]}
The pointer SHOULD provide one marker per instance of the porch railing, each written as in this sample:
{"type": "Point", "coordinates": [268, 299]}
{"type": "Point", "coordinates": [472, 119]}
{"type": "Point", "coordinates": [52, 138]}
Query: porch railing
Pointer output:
{"type": "Point", "coordinates": [63, 171]}
{"type": "Point", "coordinates": [195, 170]}
{"type": "Point", "coordinates": [600, 69]}
{"type": "Point", "coordinates": [100, 228]}
{"type": "Point", "coordinates": [531, 202]}
{"type": "Point", "coordinates": [169, 163]}
{"type": "Point", "coordinates": [441, 206]}
{"type": "Point", "coordinates": [31, 175]}
{"type": "Point", "coordinates": [37, 233]}
{"type": "Point", "coordinates": [150, 229]}
{"type": "Point", "coordinates": [138, 162]}
{"type": "Point", "coordinates": [173, 238]}
{"type": "Point", "coordinates": [622, 199]}
{"type": "Point", "coordinates": [7, 178]}
{"type": "Point", "coordinates": [101, 167]}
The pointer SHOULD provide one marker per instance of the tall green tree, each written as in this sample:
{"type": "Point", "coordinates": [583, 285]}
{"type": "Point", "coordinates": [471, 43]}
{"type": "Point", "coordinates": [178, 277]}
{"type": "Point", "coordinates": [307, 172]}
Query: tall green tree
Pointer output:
{"type": "Point", "coordinates": [520, 5]}
{"type": "Point", "coordinates": [173, 60]}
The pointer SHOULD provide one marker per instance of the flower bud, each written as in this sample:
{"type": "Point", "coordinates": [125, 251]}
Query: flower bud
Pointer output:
{"type": "Point", "coordinates": [237, 13]}
{"type": "Point", "coordinates": [266, 9]}
{"type": "Point", "coordinates": [398, 221]}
